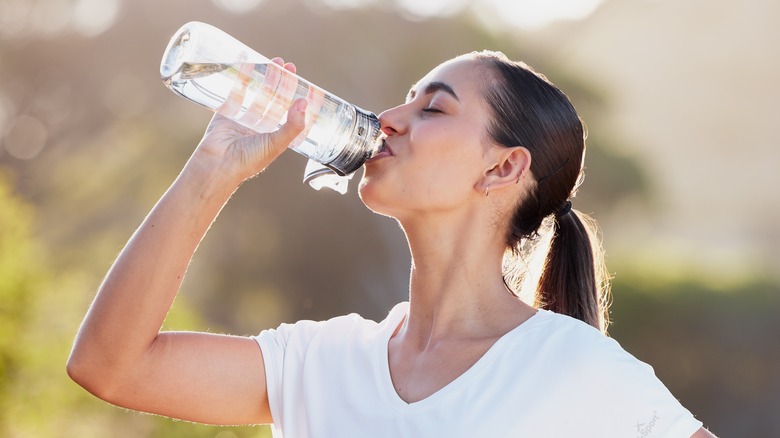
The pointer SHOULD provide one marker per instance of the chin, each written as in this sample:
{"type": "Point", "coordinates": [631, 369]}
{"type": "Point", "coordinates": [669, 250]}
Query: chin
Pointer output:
{"type": "Point", "coordinates": [374, 197]}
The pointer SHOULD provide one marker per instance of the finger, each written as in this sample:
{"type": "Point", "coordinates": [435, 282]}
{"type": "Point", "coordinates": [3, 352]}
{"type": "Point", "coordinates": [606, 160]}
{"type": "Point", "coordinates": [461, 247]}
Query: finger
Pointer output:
{"type": "Point", "coordinates": [315, 97]}
{"type": "Point", "coordinates": [262, 98]}
{"type": "Point", "coordinates": [291, 67]}
{"type": "Point", "coordinates": [296, 121]}
{"type": "Point", "coordinates": [282, 99]}
{"type": "Point", "coordinates": [235, 99]}
{"type": "Point", "coordinates": [278, 60]}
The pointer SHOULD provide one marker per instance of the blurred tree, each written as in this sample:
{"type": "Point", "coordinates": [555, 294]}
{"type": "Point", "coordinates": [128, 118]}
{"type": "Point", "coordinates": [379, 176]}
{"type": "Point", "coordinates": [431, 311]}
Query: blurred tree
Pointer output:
{"type": "Point", "coordinates": [20, 275]}
{"type": "Point", "coordinates": [100, 140]}
{"type": "Point", "coordinates": [36, 305]}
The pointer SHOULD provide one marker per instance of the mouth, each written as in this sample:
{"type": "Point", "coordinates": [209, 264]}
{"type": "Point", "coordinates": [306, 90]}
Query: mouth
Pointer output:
{"type": "Point", "coordinates": [386, 147]}
{"type": "Point", "coordinates": [385, 151]}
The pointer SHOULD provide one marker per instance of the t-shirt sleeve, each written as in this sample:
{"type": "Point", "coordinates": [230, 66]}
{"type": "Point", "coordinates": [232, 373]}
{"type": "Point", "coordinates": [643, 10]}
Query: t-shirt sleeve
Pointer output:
{"type": "Point", "coordinates": [633, 401]}
{"type": "Point", "coordinates": [284, 347]}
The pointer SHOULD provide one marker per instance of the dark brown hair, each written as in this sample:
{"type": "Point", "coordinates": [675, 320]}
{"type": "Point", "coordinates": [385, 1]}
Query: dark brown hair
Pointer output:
{"type": "Point", "coordinates": [529, 111]}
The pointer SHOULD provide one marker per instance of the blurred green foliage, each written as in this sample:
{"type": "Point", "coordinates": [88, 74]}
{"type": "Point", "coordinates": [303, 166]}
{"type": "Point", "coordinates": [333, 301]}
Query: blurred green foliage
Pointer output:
{"type": "Point", "coordinates": [19, 277]}
{"type": "Point", "coordinates": [38, 306]}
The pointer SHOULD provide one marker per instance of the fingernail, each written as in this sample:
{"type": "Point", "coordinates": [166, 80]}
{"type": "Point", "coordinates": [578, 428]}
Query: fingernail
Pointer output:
{"type": "Point", "coordinates": [300, 106]}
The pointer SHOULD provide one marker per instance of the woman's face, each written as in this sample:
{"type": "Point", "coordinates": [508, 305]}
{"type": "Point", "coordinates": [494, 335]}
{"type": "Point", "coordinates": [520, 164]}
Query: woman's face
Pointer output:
{"type": "Point", "coordinates": [436, 145]}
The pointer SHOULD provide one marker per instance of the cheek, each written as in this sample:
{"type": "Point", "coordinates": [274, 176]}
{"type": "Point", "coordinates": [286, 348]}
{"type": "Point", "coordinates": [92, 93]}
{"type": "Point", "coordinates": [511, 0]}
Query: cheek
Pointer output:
{"type": "Point", "coordinates": [454, 167]}
{"type": "Point", "coordinates": [445, 178]}
{"type": "Point", "coordinates": [437, 173]}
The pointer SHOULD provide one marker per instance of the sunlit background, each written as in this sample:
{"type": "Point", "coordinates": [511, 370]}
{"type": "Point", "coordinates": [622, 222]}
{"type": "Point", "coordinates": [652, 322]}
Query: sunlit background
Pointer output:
{"type": "Point", "coordinates": [680, 98]}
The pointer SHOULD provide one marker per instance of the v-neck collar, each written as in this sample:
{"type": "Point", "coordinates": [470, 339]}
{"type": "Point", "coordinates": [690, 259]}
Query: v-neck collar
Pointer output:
{"type": "Point", "coordinates": [382, 363]}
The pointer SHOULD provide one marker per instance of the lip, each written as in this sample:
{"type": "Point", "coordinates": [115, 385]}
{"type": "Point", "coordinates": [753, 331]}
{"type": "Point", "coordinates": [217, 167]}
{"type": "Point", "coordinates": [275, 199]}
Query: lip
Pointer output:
{"type": "Point", "coordinates": [387, 151]}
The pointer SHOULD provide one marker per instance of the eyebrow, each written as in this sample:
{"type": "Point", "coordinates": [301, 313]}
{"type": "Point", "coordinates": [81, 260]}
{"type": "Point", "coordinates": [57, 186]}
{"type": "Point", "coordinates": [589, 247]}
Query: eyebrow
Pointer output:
{"type": "Point", "coordinates": [433, 87]}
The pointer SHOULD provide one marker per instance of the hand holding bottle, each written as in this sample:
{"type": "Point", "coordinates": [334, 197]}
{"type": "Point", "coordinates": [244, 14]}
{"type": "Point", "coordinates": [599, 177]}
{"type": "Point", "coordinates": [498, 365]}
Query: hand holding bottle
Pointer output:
{"type": "Point", "coordinates": [213, 69]}
{"type": "Point", "coordinates": [243, 152]}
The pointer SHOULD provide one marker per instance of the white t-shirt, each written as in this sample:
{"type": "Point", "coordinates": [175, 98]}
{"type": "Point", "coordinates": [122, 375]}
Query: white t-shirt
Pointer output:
{"type": "Point", "coordinates": [552, 376]}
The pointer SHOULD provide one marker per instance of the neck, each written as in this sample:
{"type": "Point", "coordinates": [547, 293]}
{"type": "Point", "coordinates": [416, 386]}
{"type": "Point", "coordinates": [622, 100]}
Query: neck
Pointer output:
{"type": "Point", "coordinates": [456, 284]}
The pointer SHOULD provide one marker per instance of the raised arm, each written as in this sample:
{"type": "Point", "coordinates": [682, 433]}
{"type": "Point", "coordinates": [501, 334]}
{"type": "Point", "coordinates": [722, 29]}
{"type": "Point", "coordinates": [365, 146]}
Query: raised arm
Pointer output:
{"type": "Point", "coordinates": [119, 353]}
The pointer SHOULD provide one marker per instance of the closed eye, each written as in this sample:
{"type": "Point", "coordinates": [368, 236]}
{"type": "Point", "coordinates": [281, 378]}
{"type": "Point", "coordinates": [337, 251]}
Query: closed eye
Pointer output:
{"type": "Point", "coordinates": [431, 110]}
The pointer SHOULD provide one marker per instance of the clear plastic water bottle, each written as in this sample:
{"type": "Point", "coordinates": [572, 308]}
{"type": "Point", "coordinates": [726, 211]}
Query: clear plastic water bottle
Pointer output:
{"type": "Point", "coordinates": [213, 69]}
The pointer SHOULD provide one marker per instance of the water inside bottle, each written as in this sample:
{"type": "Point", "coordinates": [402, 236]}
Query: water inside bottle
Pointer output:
{"type": "Point", "coordinates": [269, 89]}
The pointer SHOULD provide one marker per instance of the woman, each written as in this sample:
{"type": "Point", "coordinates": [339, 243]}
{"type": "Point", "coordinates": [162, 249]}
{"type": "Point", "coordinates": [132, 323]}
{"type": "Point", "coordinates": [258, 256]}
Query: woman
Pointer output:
{"type": "Point", "coordinates": [482, 157]}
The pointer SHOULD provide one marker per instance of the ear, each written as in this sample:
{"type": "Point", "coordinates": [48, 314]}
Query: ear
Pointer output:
{"type": "Point", "coordinates": [509, 165]}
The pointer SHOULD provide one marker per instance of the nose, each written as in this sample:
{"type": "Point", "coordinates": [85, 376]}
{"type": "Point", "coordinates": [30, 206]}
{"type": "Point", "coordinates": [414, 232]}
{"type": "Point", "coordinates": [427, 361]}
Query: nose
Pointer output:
{"type": "Point", "coordinates": [392, 121]}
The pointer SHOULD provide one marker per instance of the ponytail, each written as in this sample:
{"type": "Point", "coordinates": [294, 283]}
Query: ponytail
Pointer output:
{"type": "Point", "coordinates": [574, 280]}
{"type": "Point", "coordinates": [528, 110]}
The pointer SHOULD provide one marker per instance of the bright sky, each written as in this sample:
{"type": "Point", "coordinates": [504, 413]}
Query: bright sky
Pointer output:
{"type": "Point", "coordinates": [93, 17]}
{"type": "Point", "coordinates": [525, 14]}
{"type": "Point", "coordinates": [534, 14]}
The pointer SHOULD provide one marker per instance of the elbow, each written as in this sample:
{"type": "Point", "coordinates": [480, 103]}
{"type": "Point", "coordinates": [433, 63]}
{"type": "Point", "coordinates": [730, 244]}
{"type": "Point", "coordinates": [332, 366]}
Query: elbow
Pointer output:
{"type": "Point", "coordinates": [87, 372]}
{"type": "Point", "coordinates": [79, 371]}
{"type": "Point", "coordinates": [74, 367]}
{"type": "Point", "coordinates": [100, 371]}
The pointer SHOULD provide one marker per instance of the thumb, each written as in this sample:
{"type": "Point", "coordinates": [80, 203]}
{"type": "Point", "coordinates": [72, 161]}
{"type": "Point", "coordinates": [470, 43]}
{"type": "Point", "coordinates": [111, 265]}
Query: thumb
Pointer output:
{"type": "Point", "coordinates": [296, 121]}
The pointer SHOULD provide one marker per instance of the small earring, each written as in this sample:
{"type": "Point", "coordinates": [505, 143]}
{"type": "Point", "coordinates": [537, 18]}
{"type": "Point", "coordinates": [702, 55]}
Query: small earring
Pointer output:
{"type": "Point", "coordinates": [519, 175]}
{"type": "Point", "coordinates": [487, 192]}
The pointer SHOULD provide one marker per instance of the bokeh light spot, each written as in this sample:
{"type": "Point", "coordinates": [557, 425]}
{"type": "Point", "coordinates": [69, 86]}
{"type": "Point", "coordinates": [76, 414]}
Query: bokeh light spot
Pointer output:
{"type": "Point", "coordinates": [14, 16]}
{"type": "Point", "coordinates": [51, 17]}
{"type": "Point", "coordinates": [346, 4]}
{"type": "Point", "coordinates": [26, 138]}
{"type": "Point", "coordinates": [237, 6]}
{"type": "Point", "coordinates": [534, 14]}
{"type": "Point", "coordinates": [93, 17]}
{"type": "Point", "coordinates": [431, 8]}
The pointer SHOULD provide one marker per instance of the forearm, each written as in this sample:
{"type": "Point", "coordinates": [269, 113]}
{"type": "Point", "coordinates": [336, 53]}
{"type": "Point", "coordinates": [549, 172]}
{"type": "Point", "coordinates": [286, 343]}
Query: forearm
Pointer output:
{"type": "Point", "coordinates": [130, 307]}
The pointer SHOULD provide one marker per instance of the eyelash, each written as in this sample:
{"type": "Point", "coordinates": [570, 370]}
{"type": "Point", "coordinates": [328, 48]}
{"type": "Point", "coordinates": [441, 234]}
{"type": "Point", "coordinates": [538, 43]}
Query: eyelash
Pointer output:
{"type": "Point", "coordinates": [431, 110]}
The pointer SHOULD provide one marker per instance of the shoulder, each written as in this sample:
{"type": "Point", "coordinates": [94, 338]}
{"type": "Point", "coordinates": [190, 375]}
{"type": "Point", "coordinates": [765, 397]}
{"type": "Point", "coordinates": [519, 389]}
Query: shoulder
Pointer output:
{"type": "Point", "coordinates": [592, 374]}
{"type": "Point", "coordinates": [304, 331]}
{"type": "Point", "coordinates": [337, 329]}
{"type": "Point", "coordinates": [578, 336]}
{"type": "Point", "coordinates": [559, 324]}
{"type": "Point", "coordinates": [571, 335]}
{"type": "Point", "coordinates": [579, 351]}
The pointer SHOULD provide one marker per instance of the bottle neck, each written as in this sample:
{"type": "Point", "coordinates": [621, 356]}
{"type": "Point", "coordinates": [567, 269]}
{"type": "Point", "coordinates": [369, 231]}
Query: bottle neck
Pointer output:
{"type": "Point", "coordinates": [364, 142]}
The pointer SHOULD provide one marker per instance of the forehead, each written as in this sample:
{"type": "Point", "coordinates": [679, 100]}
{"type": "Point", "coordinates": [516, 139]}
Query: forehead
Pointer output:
{"type": "Point", "coordinates": [463, 75]}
